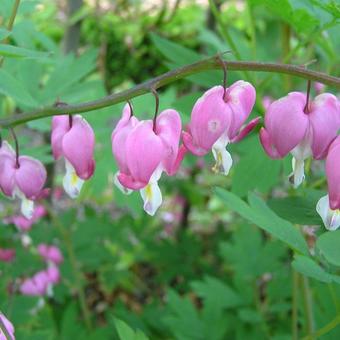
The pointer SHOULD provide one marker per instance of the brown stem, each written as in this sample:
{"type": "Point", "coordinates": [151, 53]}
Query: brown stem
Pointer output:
{"type": "Point", "coordinates": [17, 164]}
{"type": "Point", "coordinates": [167, 78]}
{"type": "Point", "coordinates": [154, 92]}
{"type": "Point", "coordinates": [306, 108]}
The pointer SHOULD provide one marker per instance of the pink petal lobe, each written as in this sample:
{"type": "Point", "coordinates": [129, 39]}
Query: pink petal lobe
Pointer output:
{"type": "Point", "coordinates": [144, 151]}
{"type": "Point", "coordinates": [325, 120]}
{"type": "Point", "coordinates": [168, 128]}
{"type": "Point", "coordinates": [30, 177]}
{"type": "Point", "coordinates": [333, 174]}
{"type": "Point", "coordinates": [286, 122]}
{"type": "Point", "coordinates": [268, 145]}
{"type": "Point", "coordinates": [246, 130]}
{"type": "Point", "coordinates": [78, 147]}
{"type": "Point", "coordinates": [60, 126]}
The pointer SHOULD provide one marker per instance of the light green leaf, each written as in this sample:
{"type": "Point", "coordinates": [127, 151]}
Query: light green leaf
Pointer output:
{"type": "Point", "coordinates": [259, 213]}
{"type": "Point", "coordinates": [125, 332]}
{"type": "Point", "coordinates": [306, 266]}
{"type": "Point", "coordinates": [329, 246]}
{"type": "Point", "coordinates": [4, 34]}
{"type": "Point", "coordinates": [19, 52]}
{"type": "Point", "coordinates": [11, 87]}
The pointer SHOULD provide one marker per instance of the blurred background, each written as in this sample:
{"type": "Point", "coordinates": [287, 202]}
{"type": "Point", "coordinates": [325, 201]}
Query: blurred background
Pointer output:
{"type": "Point", "coordinates": [197, 270]}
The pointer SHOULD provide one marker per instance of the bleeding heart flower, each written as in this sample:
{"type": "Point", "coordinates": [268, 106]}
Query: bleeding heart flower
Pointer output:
{"type": "Point", "coordinates": [144, 151]}
{"type": "Point", "coordinates": [73, 139]}
{"type": "Point", "coordinates": [50, 253]}
{"type": "Point", "coordinates": [328, 206]}
{"type": "Point", "coordinates": [22, 177]}
{"type": "Point", "coordinates": [7, 255]}
{"type": "Point", "coordinates": [304, 132]}
{"type": "Point", "coordinates": [41, 283]}
{"type": "Point", "coordinates": [216, 120]}
{"type": "Point", "coordinates": [23, 223]}
{"type": "Point", "coordinates": [8, 328]}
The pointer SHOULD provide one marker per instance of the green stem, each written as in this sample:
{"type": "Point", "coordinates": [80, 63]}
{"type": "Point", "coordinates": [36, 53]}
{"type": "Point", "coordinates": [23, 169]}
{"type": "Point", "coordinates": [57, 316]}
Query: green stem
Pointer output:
{"type": "Point", "coordinates": [324, 330]}
{"type": "Point", "coordinates": [252, 29]}
{"type": "Point", "coordinates": [167, 78]}
{"type": "Point", "coordinates": [308, 302]}
{"type": "Point", "coordinates": [76, 272]}
{"type": "Point", "coordinates": [11, 23]}
{"type": "Point", "coordinates": [295, 333]}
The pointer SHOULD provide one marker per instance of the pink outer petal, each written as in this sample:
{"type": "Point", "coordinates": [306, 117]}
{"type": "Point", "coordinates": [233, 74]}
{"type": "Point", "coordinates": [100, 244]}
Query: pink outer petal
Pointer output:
{"type": "Point", "coordinates": [325, 120]}
{"type": "Point", "coordinates": [6, 149]}
{"type": "Point", "coordinates": [286, 123]}
{"type": "Point", "coordinates": [118, 138]}
{"type": "Point", "coordinates": [144, 152]}
{"type": "Point", "coordinates": [168, 128]}
{"type": "Point", "coordinates": [30, 177]}
{"type": "Point", "coordinates": [7, 255]}
{"type": "Point", "coordinates": [182, 151]}
{"type": "Point", "coordinates": [210, 118]}
{"type": "Point", "coordinates": [53, 274]}
{"type": "Point", "coordinates": [78, 147]}
{"type": "Point", "coordinates": [268, 145]}
{"type": "Point", "coordinates": [240, 98]}
{"type": "Point", "coordinates": [50, 253]}
{"type": "Point", "coordinates": [60, 126]}
{"type": "Point", "coordinates": [333, 174]}
{"type": "Point", "coordinates": [9, 327]}
{"type": "Point", "coordinates": [7, 174]}
{"type": "Point", "coordinates": [22, 222]}
{"type": "Point", "coordinates": [190, 146]}
{"type": "Point", "coordinates": [130, 183]}
{"type": "Point", "coordinates": [246, 130]}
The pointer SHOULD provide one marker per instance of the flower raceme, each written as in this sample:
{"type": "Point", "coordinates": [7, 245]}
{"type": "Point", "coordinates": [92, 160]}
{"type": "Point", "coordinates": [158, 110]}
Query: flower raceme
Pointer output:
{"type": "Point", "coordinates": [73, 139]}
{"type": "Point", "coordinates": [9, 328]}
{"type": "Point", "coordinates": [328, 206]}
{"type": "Point", "coordinates": [216, 121]}
{"type": "Point", "coordinates": [41, 283]}
{"type": "Point", "coordinates": [143, 150]}
{"type": "Point", "coordinates": [304, 130]}
{"type": "Point", "coordinates": [22, 177]}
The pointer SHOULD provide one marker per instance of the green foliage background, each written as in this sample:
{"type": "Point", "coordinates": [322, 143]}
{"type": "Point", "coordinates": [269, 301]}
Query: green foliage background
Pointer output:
{"type": "Point", "coordinates": [225, 257]}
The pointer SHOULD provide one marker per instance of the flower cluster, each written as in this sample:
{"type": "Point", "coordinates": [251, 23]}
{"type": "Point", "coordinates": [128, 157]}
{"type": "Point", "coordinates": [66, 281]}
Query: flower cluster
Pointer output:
{"type": "Point", "coordinates": [304, 128]}
{"type": "Point", "coordinates": [41, 283]}
{"type": "Point", "coordinates": [144, 149]}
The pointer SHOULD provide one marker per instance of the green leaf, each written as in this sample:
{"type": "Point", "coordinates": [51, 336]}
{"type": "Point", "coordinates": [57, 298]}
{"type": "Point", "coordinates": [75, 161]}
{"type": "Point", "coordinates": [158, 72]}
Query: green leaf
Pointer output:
{"type": "Point", "coordinates": [306, 266]}
{"type": "Point", "coordinates": [19, 52]}
{"type": "Point", "coordinates": [125, 332]}
{"type": "Point", "coordinates": [4, 34]}
{"type": "Point", "coordinates": [329, 246]}
{"type": "Point", "coordinates": [255, 164]}
{"type": "Point", "coordinates": [11, 87]}
{"type": "Point", "coordinates": [300, 210]}
{"type": "Point", "coordinates": [216, 293]}
{"type": "Point", "coordinates": [259, 213]}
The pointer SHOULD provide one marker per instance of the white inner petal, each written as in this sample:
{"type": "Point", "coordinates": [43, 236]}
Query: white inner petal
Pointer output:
{"type": "Point", "coordinates": [71, 182]}
{"type": "Point", "coordinates": [300, 153]}
{"type": "Point", "coordinates": [124, 190]}
{"type": "Point", "coordinates": [330, 218]}
{"type": "Point", "coordinates": [222, 156]}
{"type": "Point", "coordinates": [151, 194]}
{"type": "Point", "coordinates": [152, 197]}
{"type": "Point", "coordinates": [27, 206]}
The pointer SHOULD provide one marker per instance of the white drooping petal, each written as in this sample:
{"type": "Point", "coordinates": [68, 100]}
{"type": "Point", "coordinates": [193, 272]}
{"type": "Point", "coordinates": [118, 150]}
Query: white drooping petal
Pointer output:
{"type": "Point", "coordinates": [300, 153]}
{"type": "Point", "coordinates": [27, 205]}
{"type": "Point", "coordinates": [330, 218]}
{"type": "Point", "coordinates": [151, 194]}
{"type": "Point", "coordinates": [71, 182]}
{"type": "Point", "coordinates": [124, 190]}
{"type": "Point", "coordinates": [222, 156]}
{"type": "Point", "coordinates": [152, 198]}
{"type": "Point", "coordinates": [298, 166]}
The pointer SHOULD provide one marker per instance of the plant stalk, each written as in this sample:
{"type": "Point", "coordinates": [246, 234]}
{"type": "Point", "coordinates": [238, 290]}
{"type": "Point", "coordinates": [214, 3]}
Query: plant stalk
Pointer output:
{"type": "Point", "coordinates": [167, 78]}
